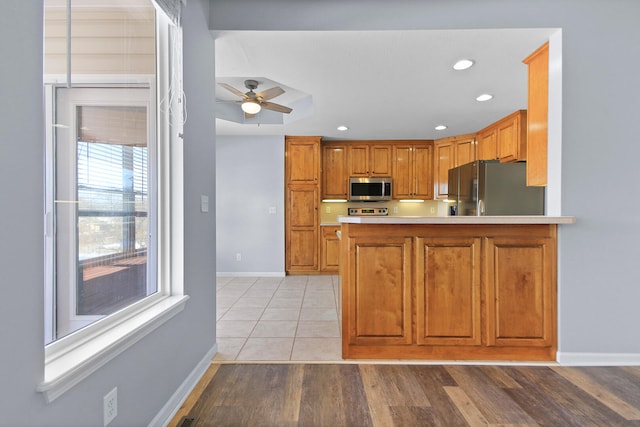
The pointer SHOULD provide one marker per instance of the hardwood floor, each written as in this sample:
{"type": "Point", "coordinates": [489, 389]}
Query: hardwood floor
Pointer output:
{"type": "Point", "coordinates": [412, 395]}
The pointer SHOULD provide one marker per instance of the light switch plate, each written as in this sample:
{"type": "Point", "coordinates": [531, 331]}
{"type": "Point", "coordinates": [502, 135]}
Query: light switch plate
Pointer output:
{"type": "Point", "coordinates": [204, 203]}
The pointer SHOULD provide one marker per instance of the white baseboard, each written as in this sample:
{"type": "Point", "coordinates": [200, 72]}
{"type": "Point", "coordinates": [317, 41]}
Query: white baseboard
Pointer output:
{"type": "Point", "coordinates": [250, 274]}
{"type": "Point", "coordinates": [170, 409]}
{"type": "Point", "coordinates": [598, 359]}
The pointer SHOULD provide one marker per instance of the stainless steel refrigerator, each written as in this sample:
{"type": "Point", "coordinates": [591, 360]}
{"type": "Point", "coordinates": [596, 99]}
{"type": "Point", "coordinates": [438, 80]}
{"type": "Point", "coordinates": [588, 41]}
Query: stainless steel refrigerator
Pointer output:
{"type": "Point", "coordinates": [488, 187]}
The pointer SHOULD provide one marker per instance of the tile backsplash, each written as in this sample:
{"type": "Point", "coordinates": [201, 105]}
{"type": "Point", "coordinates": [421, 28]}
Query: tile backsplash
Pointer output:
{"type": "Point", "coordinates": [329, 211]}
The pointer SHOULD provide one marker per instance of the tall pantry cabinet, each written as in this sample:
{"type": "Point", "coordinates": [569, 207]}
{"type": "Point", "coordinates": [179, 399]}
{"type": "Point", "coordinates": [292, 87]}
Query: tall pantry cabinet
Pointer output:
{"type": "Point", "coordinates": [302, 199]}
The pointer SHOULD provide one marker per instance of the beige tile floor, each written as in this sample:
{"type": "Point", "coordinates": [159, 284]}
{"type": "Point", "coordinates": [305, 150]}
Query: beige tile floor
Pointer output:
{"type": "Point", "coordinates": [278, 318]}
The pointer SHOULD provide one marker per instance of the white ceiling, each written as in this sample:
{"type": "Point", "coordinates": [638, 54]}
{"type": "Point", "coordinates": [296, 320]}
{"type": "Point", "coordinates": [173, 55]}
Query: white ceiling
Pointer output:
{"type": "Point", "coordinates": [381, 84]}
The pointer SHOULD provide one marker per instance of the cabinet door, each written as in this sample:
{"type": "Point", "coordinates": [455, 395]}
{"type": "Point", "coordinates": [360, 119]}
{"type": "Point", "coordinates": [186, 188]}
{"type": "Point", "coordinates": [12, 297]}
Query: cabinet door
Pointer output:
{"type": "Point", "coordinates": [335, 176]}
{"type": "Point", "coordinates": [465, 150]}
{"type": "Point", "coordinates": [302, 228]}
{"type": "Point", "coordinates": [330, 250]}
{"type": "Point", "coordinates": [487, 144]}
{"type": "Point", "coordinates": [511, 138]}
{"type": "Point", "coordinates": [507, 141]}
{"type": "Point", "coordinates": [402, 172]}
{"type": "Point", "coordinates": [423, 172]}
{"type": "Point", "coordinates": [380, 160]}
{"type": "Point", "coordinates": [303, 160]}
{"type": "Point", "coordinates": [358, 160]}
{"type": "Point", "coordinates": [521, 307]}
{"type": "Point", "coordinates": [448, 291]}
{"type": "Point", "coordinates": [379, 291]}
{"type": "Point", "coordinates": [444, 159]}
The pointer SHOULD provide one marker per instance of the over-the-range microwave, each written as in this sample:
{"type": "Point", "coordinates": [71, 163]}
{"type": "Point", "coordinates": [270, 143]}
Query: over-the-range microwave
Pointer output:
{"type": "Point", "coordinates": [369, 189]}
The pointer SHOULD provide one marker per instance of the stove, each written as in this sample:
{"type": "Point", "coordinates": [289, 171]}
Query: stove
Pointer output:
{"type": "Point", "coordinates": [368, 211]}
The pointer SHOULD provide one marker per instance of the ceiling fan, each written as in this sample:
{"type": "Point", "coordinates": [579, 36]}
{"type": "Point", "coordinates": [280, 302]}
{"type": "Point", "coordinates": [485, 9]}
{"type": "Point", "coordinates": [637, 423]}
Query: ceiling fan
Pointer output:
{"type": "Point", "coordinates": [253, 102]}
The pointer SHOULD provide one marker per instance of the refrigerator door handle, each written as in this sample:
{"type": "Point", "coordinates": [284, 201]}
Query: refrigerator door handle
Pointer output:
{"type": "Point", "coordinates": [480, 207]}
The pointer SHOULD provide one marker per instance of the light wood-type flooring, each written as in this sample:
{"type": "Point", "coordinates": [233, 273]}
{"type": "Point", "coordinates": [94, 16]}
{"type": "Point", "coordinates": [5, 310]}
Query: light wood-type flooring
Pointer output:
{"type": "Point", "coordinates": [326, 394]}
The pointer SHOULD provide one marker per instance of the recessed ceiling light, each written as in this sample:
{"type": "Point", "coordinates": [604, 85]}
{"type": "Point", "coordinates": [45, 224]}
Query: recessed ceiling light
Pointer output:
{"type": "Point", "coordinates": [440, 127]}
{"type": "Point", "coordinates": [463, 64]}
{"type": "Point", "coordinates": [342, 128]}
{"type": "Point", "coordinates": [484, 97]}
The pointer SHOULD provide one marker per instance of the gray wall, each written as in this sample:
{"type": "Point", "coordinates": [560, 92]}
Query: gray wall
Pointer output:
{"type": "Point", "coordinates": [249, 181]}
{"type": "Point", "coordinates": [599, 284]}
{"type": "Point", "coordinates": [149, 372]}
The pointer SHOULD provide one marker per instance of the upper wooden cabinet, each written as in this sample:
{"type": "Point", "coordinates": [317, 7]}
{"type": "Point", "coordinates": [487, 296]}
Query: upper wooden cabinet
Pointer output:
{"type": "Point", "coordinates": [538, 116]}
{"type": "Point", "coordinates": [505, 139]}
{"type": "Point", "coordinates": [449, 153]}
{"type": "Point", "coordinates": [370, 159]}
{"type": "Point", "coordinates": [413, 171]}
{"type": "Point", "coordinates": [335, 172]}
{"type": "Point", "coordinates": [512, 137]}
{"type": "Point", "coordinates": [302, 159]}
{"type": "Point", "coordinates": [488, 144]}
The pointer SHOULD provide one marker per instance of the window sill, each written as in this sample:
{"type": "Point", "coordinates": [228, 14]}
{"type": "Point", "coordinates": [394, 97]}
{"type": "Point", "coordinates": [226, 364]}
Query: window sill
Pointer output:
{"type": "Point", "coordinates": [66, 370]}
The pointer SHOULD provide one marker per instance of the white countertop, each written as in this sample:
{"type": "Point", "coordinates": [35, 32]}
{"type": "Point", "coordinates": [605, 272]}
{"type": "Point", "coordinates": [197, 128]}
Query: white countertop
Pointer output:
{"type": "Point", "coordinates": [520, 219]}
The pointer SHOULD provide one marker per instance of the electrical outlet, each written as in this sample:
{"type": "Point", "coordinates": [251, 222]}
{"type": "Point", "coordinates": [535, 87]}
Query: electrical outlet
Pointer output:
{"type": "Point", "coordinates": [433, 210]}
{"type": "Point", "coordinates": [110, 405]}
{"type": "Point", "coordinates": [327, 209]}
{"type": "Point", "coordinates": [395, 209]}
{"type": "Point", "coordinates": [238, 256]}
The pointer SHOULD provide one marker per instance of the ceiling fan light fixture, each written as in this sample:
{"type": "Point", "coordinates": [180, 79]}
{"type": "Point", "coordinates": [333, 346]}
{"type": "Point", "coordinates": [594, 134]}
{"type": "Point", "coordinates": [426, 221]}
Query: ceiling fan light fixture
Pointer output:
{"type": "Point", "coordinates": [250, 107]}
{"type": "Point", "coordinates": [463, 64]}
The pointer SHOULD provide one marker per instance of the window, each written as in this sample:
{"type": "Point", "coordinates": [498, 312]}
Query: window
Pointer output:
{"type": "Point", "coordinates": [104, 206]}
{"type": "Point", "coordinates": [110, 255]}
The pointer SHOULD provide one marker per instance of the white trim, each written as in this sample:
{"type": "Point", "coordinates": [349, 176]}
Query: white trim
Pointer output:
{"type": "Point", "coordinates": [598, 359]}
{"type": "Point", "coordinates": [250, 274]}
{"type": "Point", "coordinates": [171, 408]}
{"type": "Point", "coordinates": [69, 368]}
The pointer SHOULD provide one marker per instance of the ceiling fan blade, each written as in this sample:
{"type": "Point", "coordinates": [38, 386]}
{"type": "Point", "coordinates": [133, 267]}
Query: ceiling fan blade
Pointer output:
{"type": "Point", "coordinates": [232, 90]}
{"type": "Point", "coordinates": [276, 107]}
{"type": "Point", "coordinates": [271, 93]}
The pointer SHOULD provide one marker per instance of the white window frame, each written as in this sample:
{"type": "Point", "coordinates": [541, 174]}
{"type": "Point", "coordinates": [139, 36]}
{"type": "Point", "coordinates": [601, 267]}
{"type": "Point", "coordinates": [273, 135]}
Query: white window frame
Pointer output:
{"type": "Point", "coordinates": [71, 359]}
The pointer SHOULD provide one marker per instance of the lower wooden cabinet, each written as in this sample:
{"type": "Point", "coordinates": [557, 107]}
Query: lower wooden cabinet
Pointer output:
{"type": "Point", "coordinates": [449, 292]}
{"type": "Point", "coordinates": [380, 301]}
{"type": "Point", "coordinates": [329, 249]}
{"type": "Point", "coordinates": [520, 291]}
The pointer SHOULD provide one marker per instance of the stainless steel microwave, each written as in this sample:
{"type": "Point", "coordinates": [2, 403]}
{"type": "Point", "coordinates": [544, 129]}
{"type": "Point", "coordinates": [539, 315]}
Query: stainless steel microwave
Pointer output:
{"type": "Point", "coordinates": [369, 189]}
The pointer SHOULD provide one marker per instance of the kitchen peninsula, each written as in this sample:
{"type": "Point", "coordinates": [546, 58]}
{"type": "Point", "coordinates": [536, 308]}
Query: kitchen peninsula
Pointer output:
{"type": "Point", "coordinates": [454, 288]}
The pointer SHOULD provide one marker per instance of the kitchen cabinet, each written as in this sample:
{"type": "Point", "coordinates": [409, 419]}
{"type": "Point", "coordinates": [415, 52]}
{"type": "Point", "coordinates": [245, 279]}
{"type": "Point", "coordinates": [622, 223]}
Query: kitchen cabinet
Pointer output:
{"type": "Point", "coordinates": [413, 171]}
{"type": "Point", "coordinates": [537, 115]}
{"type": "Point", "coordinates": [488, 144]}
{"type": "Point", "coordinates": [302, 164]}
{"type": "Point", "coordinates": [329, 249]}
{"type": "Point", "coordinates": [512, 137]}
{"type": "Point", "coordinates": [335, 173]}
{"type": "Point", "coordinates": [449, 153]}
{"type": "Point", "coordinates": [302, 170]}
{"type": "Point", "coordinates": [444, 159]}
{"type": "Point", "coordinates": [379, 296]}
{"type": "Point", "coordinates": [449, 291]}
{"type": "Point", "coordinates": [370, 159]}
{"type": "Point", "coordinates": [505, 140]}
{"type": "Point", "coordinates": [521, 291]}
